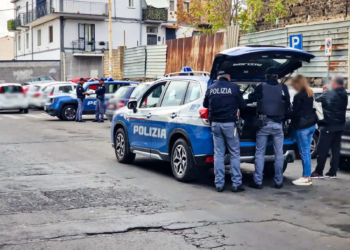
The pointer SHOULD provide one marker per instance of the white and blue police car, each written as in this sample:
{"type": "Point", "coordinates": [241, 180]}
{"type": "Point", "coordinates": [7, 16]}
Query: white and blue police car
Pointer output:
{"type": "Point", "coordinates": [169, 123]}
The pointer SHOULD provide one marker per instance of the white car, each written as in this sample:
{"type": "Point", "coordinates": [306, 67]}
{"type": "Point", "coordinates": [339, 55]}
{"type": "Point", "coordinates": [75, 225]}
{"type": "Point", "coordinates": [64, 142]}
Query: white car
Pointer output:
{"type": "Point", "coordinates": [13, 97]}
{"type": "Point", "coordinates": [36, 93]}
{"type": "Point", "coordinates": [57, 90]}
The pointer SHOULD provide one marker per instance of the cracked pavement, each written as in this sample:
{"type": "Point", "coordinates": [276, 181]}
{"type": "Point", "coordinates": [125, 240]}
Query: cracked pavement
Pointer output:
{"type": "Point", "coordinates": [62, 188]}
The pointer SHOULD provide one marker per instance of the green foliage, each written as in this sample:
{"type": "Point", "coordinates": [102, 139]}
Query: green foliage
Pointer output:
{"type": "Point", "coordinates": [11, 25]}
{"type": "Point", "coordinates": [155, 14]}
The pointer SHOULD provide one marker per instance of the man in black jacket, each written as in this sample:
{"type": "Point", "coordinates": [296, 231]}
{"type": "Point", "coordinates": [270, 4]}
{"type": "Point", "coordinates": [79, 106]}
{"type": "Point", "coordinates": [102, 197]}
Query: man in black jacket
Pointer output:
{"type": "Point", "coordinates": [80, 98]}
{"type": "Point", "coordinates": [223, 99]}
{"type": "Point", "coordinates": [334, 104]}
{"type": "Point", "coordinates": [100, 95]}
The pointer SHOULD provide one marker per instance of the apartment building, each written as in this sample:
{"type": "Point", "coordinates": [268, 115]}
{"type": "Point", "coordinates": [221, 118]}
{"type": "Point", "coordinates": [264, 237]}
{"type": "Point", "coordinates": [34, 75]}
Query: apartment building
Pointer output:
{"type": "Point", "coordinates": [79, 30]}
{"type": "Point", "coordinates": [6, 48]}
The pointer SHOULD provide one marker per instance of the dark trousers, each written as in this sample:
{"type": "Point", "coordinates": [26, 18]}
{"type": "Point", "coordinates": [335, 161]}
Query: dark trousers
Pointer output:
{"type": "Point", "coordinates": [328, 141]}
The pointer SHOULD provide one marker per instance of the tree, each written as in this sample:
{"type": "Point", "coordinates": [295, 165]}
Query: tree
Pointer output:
{"type": "Point", "coordinates": [218, 14]}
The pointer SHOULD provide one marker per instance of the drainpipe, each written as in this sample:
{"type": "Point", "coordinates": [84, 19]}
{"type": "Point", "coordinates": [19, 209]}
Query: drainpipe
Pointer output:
{"type": "Point", "coordinates": [141, 22]}
{"type": "Point", "coordinates": [63, 54]}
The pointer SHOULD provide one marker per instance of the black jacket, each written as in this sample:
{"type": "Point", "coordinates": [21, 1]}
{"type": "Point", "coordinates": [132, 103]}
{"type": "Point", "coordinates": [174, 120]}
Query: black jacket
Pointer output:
{"type": "Point", "coordinates": [303, 114]}
{"type": "Point", "coordinates": [80, 91]}
{"type": "Point", "coordinates": [223, 100]}
{"type": "Point", "coordinates": [258, 95]}
{"type": "Point", "coordinates": [100, 92]}
{"type": "Point", "coordinates": [334, 104]}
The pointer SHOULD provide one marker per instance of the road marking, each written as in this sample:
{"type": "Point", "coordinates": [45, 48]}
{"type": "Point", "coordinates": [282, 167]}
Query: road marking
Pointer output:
{"type": "Point", "coordinates": [34, 116]}
{"type": "Point", "coordinates": [13, 117]}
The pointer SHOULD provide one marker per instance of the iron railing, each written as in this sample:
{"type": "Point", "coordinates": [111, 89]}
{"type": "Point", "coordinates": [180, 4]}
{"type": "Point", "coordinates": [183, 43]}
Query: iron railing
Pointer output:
{"type": "Point", "coordinates": [64, 6]}
{"type": "Point", "coordinates": [156, 14]}
{"type": "Point", "coordinates": [81, 46]}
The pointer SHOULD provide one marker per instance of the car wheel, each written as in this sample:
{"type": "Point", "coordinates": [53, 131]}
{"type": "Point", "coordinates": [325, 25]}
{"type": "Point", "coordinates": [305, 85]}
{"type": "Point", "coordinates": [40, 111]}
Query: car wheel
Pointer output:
{"type": "Point", "coordinates": [313, 150]}
{"type": "Point", "coordinates": [344, 163]}
{"type": "Point", "coordinates": [69, 113]}
{"type": "Point", "coordinates": [269, 168]}
{"type": "Point", "coordinates": [182, 163]}
{"type": "Point", "coordinates": [25, 111]}
{"type": "Point", "coordinates": [122, 148]}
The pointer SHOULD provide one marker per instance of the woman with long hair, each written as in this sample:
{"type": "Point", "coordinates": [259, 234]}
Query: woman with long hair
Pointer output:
{"type": "Point", "coordinates": [304, 120]}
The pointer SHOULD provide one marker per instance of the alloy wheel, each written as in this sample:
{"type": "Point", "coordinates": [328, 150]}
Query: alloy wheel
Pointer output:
{"type": "Point", "coordinates": [120, 146]}
{"type": "Point", "coordinates": [180, 160]}
{"type": "Point", "coordinates": [313, 146]}
{"type": "Point", "coordinates": [70, 113]}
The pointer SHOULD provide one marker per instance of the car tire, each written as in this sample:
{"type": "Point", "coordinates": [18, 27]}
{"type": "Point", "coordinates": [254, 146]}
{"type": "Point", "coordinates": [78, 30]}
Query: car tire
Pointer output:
{"type": "Point", "coordinates": [122, 147]}
{"type": "Point", "coordinates": [314, 143]}
{"type": "Point", "coordinates": [69, 113]}
{"type": "Point", "coordinates": [25, 111]}
{"type": "Point", "coordinates": [269, 168]}
{"type": "Point", "coordinates": [344, 163]}
{"type": "Point", "coordinates": [182, 162]}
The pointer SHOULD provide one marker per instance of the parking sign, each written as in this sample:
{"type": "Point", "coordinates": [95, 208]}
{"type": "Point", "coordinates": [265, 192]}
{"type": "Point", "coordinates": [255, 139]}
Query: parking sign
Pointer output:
{"type": "Point", "coordinates": [296, 41]}
{"type": "Point", "coordinates": [328, 47]}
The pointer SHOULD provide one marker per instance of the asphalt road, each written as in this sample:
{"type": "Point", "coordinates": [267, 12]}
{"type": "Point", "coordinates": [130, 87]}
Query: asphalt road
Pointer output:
{"type": "Point", "coordinates": [62, 188]}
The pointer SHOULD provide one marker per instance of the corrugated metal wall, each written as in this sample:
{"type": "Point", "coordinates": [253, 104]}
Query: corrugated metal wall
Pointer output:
{"type": "Point", "coordinates": [314, 36]}
{"type": "Point", "coordinates": [196, 52]}
{"type": "Point", "coordinates": [156, 61]}
{"type": "Point", "coordinates": [135, 62]}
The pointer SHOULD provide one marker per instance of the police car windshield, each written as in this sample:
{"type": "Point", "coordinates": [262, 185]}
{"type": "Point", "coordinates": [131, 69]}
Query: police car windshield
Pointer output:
{"type": "Point", "coordinates": [138, 91]}
{"type": "Point", "coordinates": [122, 92]}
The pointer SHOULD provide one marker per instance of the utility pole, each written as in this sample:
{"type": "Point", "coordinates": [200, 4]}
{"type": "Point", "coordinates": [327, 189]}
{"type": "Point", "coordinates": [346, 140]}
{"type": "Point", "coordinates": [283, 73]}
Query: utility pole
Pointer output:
{"type": "Point", "coordinates": [110, 37]}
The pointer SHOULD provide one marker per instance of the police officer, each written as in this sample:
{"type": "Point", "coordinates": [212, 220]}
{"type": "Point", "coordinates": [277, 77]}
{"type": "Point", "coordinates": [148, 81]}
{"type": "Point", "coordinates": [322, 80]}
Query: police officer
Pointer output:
{"type": "Point", "coordinates": [80, 96]}
{"type": "Point", "coordinates": [223, 100]}
{"type": "Point", "coordinates": [273, 101]}
{"type": "Point", "coordinates": [100, 95]}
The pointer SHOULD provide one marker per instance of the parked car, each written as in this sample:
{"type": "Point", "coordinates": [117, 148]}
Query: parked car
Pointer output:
{"type": "Point", "coordinates": [121, 97]}
{"type": "Point", "coordinates": [169, 123]}
{"type": "Point", "coordinates": [87, 79]}
{"type": "Point", "coordinates": [65, 106]}
{"type": "Point", "coordinates": [39, 79]}
{"type": "Point", "coordinates": [344, 162]}
{"type": "Point", "coordinates": [13, 97]}
{"type": "Point", "coordinates": [57, 89]}
{"type": "Point", "coordinates": [35, 94]}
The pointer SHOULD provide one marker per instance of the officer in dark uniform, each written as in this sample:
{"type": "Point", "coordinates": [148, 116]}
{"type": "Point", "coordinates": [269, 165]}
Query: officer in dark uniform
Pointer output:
{"type": "Point", "coordinates": [100, 95]}
{"type": "Point", "coordinates": [273, 102]}
{"type": "Point", "coordinates": [80, 97]}
{"type": "Point", "coordinates": [223, 99]}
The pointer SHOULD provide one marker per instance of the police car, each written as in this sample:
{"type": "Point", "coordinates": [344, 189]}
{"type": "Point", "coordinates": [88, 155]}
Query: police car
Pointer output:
{"type": "Point", "coordinates": [65, 107]}
{"type": "Point", "coordinates": [169, 123]}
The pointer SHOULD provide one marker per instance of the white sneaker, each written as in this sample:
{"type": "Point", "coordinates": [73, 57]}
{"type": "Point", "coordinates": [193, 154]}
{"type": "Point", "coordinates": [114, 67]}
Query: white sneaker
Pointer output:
{"type": "Point", "coordinates": [303, 182]}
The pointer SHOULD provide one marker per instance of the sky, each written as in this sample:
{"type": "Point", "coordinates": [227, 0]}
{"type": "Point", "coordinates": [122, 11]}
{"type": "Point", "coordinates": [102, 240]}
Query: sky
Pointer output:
{"type": "Point", "coordinates": [4, 16]}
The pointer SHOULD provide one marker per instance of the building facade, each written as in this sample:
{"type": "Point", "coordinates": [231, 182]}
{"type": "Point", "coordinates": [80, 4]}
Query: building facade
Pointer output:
{"type": "Point", "coordinates": [77, 32]}
{"type": "Point", "coordinates": [7, 48]}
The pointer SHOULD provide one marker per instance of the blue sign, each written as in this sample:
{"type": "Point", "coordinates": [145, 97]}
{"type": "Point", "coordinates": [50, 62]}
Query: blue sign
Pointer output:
{"type": "Point", "coordinates": [296, 41]}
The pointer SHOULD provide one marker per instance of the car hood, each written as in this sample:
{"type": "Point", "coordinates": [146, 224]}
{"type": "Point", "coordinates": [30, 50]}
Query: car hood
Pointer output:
{"type": "Point", "coordinates": [249, 64]}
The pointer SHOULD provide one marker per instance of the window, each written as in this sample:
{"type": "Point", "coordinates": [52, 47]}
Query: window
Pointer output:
{"type": "Point", "coordinates": [27, 40]}
{"type": "Point", "coordinates": [44, 78]}
{"type": "Point", "coordinates": [131, 4]}
{"type": "Point", "coordinates": [193, 92]}
{"type": "Point", "coordinates": [151, 100]}
{"type": "Point", "coordinates": [172, 5]}
{"type": "Point", "coordinates": [64, 89]}
{"type": "Point", "coordinates": [48, 90]}
{"type": "Point", "coordinates": [151, 39]}
{"type": "Point", "coordinates": [39, 37]}
{"type": "Point", "coordinates": [174, 93]}
{"type": "Point", "coordinates": [92, 87]}
{"type": "Point", "coordinates": [50, 34]}
{"type": "Point", "coordinates": [112, 88]}
{"type": "Point", "coordinates": [187, 7]}
{"type": "Point", "coordinates": [152, 30]}
{"type": "Point", "coordinates": [19, 42]}
{"type": "Point", "coordinates": [11, 89]}
{"type": "Point", "coordinates": [122, 92]}
{"type": "Point", "coordinates": [138, 91]}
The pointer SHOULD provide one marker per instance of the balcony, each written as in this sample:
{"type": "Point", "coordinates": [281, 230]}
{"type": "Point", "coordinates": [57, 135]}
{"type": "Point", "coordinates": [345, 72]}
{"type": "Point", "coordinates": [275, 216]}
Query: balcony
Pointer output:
{"type": "Point", "coordinates": [154, 15]}
{"type": "Point", "coordinates": [92, 48]}
{"type": "Point", "coordinates": [52, 9]}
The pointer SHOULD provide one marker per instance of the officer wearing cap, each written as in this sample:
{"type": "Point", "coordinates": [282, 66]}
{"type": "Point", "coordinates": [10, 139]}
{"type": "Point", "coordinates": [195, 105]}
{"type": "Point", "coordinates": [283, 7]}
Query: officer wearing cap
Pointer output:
{"type": "Point", "coordinates": [223, 99]}
{"type": "Point", "coordinates": [273, 102]}
{"type": "Point", "coordinates": [100, 95]}
{"type": "Point", "coordinates": [80, 97]}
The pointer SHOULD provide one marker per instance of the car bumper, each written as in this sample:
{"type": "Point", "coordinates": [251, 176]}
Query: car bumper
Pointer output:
{"type": "Point", "coordinates": [109, 114]}
{"type": "Point", "coordinates": [345, 144]}
{"type": "Point", "coordinates": [51, 110]}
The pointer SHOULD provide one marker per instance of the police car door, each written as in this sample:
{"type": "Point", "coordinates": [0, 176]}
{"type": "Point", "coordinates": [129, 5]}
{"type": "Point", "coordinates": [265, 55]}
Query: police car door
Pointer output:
{"type": "Point", "coordinates": [90, 100]}
{"type": "Point", "coordinates": [164, 119]}
{"type": "Point", "coordinates": [141, 129]}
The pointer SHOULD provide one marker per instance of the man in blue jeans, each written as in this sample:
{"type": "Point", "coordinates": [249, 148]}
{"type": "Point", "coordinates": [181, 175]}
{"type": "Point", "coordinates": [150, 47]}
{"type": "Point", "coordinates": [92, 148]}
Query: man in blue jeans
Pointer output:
{"type": "Point", "coordinates": [223, 99]}
{"type": "Point", "coordinates": [100, 95]}
{"type": "Point", "coordinates": [80, 97]}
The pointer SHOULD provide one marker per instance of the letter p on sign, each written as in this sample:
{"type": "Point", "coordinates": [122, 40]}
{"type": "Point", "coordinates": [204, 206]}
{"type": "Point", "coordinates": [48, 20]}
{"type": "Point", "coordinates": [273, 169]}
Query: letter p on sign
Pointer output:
{"type": "Point", "coordinates": [296, 41]}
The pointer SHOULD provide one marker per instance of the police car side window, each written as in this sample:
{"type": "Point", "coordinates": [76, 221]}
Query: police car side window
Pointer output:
{"type": "Point", "coordinates": [152, 99]}
{"type": "Point", "coordinates": [174, 93]}
{"type": "Point", "coordinates": [193, 92]}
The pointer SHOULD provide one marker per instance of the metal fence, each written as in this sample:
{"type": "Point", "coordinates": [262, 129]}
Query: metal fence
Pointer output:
{"type": "Point", "coordinates": [92, 46]}
{"type": "Point", "coordinates": [156, 61]}
{"type": "Point", "coordinates": [314, 36]}
{"type": "Point", "coordinates": [135, 62]}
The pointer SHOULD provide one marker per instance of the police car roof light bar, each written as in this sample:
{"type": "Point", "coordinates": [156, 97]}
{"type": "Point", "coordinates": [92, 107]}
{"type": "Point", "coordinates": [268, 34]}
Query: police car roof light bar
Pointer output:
{"type": "Point", "coordinates": [190, 73]}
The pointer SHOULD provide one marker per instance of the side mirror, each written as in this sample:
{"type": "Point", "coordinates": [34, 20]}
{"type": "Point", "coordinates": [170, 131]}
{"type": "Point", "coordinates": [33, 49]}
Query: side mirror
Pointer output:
{"type": "Point", "coordinates": [132, 105]}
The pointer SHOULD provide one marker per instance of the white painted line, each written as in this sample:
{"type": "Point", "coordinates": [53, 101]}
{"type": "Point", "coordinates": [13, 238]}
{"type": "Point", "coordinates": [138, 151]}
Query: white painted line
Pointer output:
{"type": "Point", "coordinates": [13, 117]}
{"type": "Point", "coordinates": [33, 116]}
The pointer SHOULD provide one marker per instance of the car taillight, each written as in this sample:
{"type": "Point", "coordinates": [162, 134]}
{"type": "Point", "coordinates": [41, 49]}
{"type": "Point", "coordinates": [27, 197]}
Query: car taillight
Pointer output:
{"type": "Point", "coordinates": [107, 105]}
{"type": "Point", "coordinates": [209, 159]}
{"type": "Point", "coordinates": [36, 95]}
{"type": "Point", "coordinates": [120, 104]}
{"type": "Point", "coordinates": [51, 94]}
{"type": "Point", "coordinates": [23, 92]}
{"type": "Point", "coordinates": [204, 114]}
{"type": "Point", "coordinates": [0, 89]}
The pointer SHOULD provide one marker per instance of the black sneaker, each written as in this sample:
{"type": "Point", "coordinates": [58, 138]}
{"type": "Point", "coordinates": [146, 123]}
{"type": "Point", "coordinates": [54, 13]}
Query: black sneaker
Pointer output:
{"type": "Point", "coordinates": [316, 175]}
{"type": "Point", "coordinates": [82, 121]}
{"type": "Point", "coordinates": [95, 121]}
{"type": "Point", "coordinates": [238, 189]}
{"type": "Point", "coordinates": [220, 189]}
{"type": "Point", "coordinates": [100, 121]}
{"type": "Point", "coordinates": [278, 186]}
{"type": "Point", "coordinates": [256, 186]}
{"type": "Point", "coordinates": [330, 175]}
